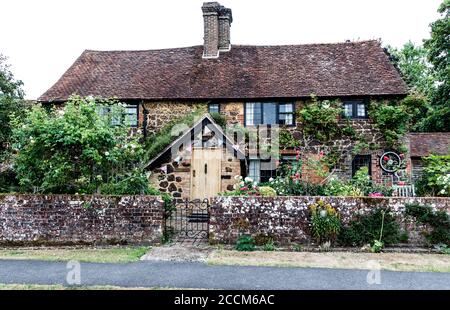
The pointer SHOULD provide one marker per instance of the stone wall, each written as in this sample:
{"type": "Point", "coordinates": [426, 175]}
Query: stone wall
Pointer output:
{"type": "Point", "coordinates": [158, 114]}
{"type": "Point", "coordinates": [66, 219]}
{"type": "Point", "coordinates": [287, 219]}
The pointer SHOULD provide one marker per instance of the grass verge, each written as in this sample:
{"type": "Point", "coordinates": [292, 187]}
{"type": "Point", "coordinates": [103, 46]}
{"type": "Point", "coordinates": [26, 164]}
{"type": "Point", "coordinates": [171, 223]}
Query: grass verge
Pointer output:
{"type": "Point", "coordinates": [58, 287]}
{"type": "Point", "coordinates": [95, 255]}
{"type": "Point", "coordinates": [343, 260]}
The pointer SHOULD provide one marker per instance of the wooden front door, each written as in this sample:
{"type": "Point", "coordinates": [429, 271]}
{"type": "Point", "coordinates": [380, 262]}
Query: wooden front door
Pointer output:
{"type": "Point", "coordinates": [205, 172]}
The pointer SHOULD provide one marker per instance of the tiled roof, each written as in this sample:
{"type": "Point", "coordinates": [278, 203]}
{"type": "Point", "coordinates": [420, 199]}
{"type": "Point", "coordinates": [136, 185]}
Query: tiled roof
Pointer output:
{"type": "Point", "coordinates": [424, 144]}
{"type": "Point", "coordinates": [339, 69]}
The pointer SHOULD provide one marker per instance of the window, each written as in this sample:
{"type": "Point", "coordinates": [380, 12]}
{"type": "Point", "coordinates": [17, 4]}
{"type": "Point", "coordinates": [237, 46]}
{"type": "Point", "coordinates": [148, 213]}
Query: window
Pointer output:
{"type": "Point", "coordinates": [254, 169]}
{"type": "Point", "coordinates": [286, 114]}
{"type": "Point", "coordinates": [360, 161]}
{"type": "Point", "coordinates": [130, 115]}
{"type": "Point", "coordinates": [213, 108]}
{"type": "Point", "coordinates": [257, 113]}
{"type": "Point", "coordinates": [261, 170]}
{"type": "Point", "coordinates": [355, 109]}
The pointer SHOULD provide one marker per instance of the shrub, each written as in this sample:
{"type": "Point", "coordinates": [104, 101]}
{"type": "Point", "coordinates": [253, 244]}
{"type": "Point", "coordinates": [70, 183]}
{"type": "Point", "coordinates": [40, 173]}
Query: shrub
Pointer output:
{"type": "Point", "coordinates": [219, 119]}
{"type": "Point", "coordinates": [438, 220]}
{"type": "Point", "coordinates": [77, 149]}
{"type": "Point", "coordinates": [435, 180]}
{"type": "Point", "coordinates": [245, 243]}
{"type": "Point", "coordinates": [325, 222]}
{"type": "Point", "coordinates": [267, 191]}
{"type": "Point", "coordinates": [359, 185]}
{"type": "Point", "coordinates": [366, 228]}
{"type": "Point", "coordinates": [269, 246]}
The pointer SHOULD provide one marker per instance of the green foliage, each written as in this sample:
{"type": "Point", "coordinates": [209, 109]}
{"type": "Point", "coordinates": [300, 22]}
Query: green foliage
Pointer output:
{"type": "Point", "coordinates": [414, 67]}
{"type": "Point", "coordinates": [320, 119]}
{"type": "Point", "coordinates": [267, 191]}
{"type": "Point", "coordinates": [366, 229]}
{"type": "Point", "coordinates": [219, 119]}
{"type": "Point", "coordinates": [76, 149]}
{"type": "Point", "coordinates": [11, 95]}
{"type": "Point", "coordinates": [377, 246]}
{"type": "Point", "coordinates": [391, 119]}
{"type": "Point", "coordinates": [269, 246]}
{"type": "Point", "coordinates": [435, 179]}
{"type": "Point", "coordinates": [157, 142]}
{"type": "Point", "coordinates": [438, 220]}
{"type": "Point", "coordinates": [360, 185]}
{"type": "Point", "coordinates": [286, 140]}
{"type": "Point", "coordinates": [438, 55]}
{"type": "Point", "coordinates": [325, 222]}
{"type": "Point", "coordinates": [245, 243]}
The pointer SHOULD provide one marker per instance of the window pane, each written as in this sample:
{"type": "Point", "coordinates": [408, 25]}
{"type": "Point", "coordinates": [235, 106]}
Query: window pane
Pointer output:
{"type": "Point", "coordinates": [253, 113]}
{"type": "Point", "coordinates": [254, 170]}
{"type": "Point", "coordinates": [270, 113]}
{"type": "Point", "coordinates": [348, 109]}
{"type": "Point", "coordinates": [286, 107]}
{"type": "Point", "coordinates": [286, 119]}
{"type": "Point", "coordinates": [213, 108]}
{"type": "Point", "coordinates": [361, 110]}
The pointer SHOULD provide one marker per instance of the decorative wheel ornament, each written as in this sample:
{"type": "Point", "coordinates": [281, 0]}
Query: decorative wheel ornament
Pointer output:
{"type": "Point", "coordinates": [390, 162]}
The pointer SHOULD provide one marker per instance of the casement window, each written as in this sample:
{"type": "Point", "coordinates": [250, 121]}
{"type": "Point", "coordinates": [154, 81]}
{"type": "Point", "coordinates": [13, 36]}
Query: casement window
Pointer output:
{"type": "Point", "coordinates": [286, 114]}
{"type": "Point", "coordinates": [213, 108]}
{"type": "Point", "coordinates": [129, 117]}
{"type": "Point", "coordinates": [269, 113]}
{"type": "Point", "coordinates": [261, 170]}
{"type": "Point", "coordinates": [360, 161]}
{"type": "Point", "coordinates": [355, 109]}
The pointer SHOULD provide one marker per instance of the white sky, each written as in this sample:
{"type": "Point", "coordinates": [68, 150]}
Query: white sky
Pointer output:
{"type": "Point", "coordinates": [43, 38]}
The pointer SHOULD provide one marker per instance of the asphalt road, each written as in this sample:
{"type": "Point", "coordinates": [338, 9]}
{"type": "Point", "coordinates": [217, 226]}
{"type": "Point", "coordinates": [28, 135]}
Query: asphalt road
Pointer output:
{"type": "Point", "coordinates": [200, 275]}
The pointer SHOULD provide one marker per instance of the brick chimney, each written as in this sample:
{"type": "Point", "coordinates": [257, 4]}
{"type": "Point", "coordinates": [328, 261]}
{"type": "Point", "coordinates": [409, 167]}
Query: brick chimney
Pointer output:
{"type": "Point", "coordinates": [216, 22]}
{"type": "Point", "coordinates": [225, 20]}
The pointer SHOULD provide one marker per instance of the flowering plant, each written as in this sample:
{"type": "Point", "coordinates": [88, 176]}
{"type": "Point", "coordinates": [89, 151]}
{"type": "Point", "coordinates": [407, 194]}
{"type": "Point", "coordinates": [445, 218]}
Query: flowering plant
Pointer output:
{"type": "Point", "coordinates": [325, 221]}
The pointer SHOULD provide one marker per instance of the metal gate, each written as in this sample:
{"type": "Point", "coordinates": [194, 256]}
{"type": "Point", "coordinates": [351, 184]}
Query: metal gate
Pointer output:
{"type": "Point", "coordinates": [188, 222]}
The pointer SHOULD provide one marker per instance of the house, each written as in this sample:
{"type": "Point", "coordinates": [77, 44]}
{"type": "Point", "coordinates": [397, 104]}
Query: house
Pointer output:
{"type": "Point", "coordinates": [249, 86]}
{"type": "Point", "coordinates": [422, 144]}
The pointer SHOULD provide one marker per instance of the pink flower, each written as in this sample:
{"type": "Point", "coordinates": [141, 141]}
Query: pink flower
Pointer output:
{"type": "Point", "coordinates": [402, 156]}
{"type": "Point", "coordinates": [297, 157]}
{"type": "Point", "coordinates": [244, 188]}
{"type": "Point", "coordinates": [401, 183]}
{"type": "Point", "coordinates": [376, 194]}
{"type": "Point", "coordinates": [385, 158]}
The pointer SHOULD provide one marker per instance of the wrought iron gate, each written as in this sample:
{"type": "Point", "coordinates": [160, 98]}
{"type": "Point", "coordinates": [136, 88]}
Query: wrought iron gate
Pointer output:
{"type": "Point", "coordinates": [188, 221]}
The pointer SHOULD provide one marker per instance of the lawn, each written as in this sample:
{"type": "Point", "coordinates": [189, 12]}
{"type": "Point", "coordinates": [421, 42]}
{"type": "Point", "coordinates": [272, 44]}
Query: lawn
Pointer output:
{"type": "Point", "coordinates": [344, 260]}
{"type": "Point", "coordinates": [117, 254]}
{"type": "Point", "coordinates": [61, 287]}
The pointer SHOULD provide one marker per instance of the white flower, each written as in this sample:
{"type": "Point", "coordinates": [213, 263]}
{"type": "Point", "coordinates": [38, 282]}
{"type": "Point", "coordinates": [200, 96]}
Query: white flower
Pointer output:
{"type": "Point", "coordinates": [255, 183]}
{"type": "Point", "coordinates": [106, 153]}
{"type": "Point", "coordinates": [237, 177]}
{"type": "Point", "coordinates": [271, 180]}
{"type": "Point", "coordinates": [248, 179]}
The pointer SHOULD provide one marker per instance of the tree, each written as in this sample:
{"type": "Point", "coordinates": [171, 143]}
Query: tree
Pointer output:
{"type": "Point", "coordinates": [11, 94]}
{"type": "Point", "coordinates": [438, 47]}
{"type": "Point", "coordinates": [414, 67]}
{"type": "Point", "coordinates": [82, 147]}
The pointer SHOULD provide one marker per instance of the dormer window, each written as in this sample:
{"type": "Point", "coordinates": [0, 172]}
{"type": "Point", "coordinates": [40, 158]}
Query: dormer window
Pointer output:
{"type": "Point", "coordinates": [355, 109]}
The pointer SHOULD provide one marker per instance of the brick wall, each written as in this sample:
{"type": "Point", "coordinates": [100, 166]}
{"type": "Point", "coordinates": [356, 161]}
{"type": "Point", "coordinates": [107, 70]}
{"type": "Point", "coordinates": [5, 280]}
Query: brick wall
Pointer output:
{"type": "Point", "coordinates": [286, 219]}
{"type": "Point", "coordinates": [66, 219]}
